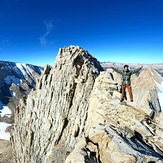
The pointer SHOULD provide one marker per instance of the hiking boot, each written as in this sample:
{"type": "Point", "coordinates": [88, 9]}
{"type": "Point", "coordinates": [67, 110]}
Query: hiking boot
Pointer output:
{"type": "Point", "coordinates": [121, 100]}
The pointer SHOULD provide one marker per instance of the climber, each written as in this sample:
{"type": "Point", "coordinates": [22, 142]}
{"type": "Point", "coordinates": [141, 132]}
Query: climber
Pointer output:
{"type": "Point", "coordinates": [126, 83]}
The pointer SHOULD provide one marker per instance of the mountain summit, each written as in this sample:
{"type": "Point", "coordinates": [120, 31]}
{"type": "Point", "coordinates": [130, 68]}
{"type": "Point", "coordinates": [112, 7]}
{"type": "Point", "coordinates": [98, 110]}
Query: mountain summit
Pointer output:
{"type": "Point", "coordinates": [74, 115]}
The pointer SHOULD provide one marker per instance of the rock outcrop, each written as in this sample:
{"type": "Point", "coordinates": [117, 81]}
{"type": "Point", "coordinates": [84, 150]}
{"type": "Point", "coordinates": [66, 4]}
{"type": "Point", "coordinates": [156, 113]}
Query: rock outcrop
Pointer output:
{"type": "Point", "coordinates": [58, 106]}
{"type": "Point", "coordinates": [74, 116]}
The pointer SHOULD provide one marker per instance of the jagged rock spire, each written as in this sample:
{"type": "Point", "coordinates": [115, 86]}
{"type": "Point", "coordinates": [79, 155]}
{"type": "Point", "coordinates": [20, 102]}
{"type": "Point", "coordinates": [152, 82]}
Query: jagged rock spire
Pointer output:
{"type": "Point", "coordinates": [55, 113]}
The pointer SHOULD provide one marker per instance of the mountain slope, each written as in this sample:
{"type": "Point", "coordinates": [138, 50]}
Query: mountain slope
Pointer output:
{"type": "Point", "coordinates": [16, 76]}
{"type": "Point", "coordinates": [16, 80]}
{"type": "Point", "coordinates": [75, 116]}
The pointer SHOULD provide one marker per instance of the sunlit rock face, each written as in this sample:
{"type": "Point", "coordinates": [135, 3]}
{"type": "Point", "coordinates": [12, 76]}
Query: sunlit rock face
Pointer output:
{"type": "Point", "coordinates": [74, 116]}
{"type": "Point", "coordinates": [57, 109]}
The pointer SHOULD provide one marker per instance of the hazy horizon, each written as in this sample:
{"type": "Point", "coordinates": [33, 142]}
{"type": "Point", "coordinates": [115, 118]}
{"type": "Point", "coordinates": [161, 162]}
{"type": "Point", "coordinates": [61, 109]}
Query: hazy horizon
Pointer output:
{"type": "Point", "coordinates": [97, 59]}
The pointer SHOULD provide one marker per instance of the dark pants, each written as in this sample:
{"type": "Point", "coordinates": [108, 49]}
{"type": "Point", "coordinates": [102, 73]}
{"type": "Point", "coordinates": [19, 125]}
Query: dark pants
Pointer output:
{"type": "Point", "coordinates": [124, 92]}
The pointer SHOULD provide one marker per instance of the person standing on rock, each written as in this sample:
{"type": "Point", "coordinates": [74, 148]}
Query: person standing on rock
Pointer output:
{"type": "Point", "coordinates": [126, 82]}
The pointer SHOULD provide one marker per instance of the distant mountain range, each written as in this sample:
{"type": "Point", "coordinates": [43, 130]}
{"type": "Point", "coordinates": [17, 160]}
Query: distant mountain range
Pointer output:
{"type": "Point", "coordinates": [158, 67]}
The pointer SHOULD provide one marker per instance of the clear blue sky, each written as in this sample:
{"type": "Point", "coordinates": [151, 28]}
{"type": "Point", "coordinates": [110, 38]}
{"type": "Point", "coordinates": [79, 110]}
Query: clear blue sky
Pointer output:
{"type": "Point", "coordinates": [129, 31]}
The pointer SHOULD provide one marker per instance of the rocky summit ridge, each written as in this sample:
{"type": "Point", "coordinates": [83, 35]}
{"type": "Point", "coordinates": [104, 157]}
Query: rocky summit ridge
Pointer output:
{"type": "Point", "coordinates": [74, 115]}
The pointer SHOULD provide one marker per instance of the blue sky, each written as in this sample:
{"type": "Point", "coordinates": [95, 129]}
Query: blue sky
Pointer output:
{"type": "Point", "coordinates": [128, 31]}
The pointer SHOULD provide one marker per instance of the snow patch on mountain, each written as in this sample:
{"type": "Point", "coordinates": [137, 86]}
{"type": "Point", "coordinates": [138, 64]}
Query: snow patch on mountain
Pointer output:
{"type": "Point", "coordinates": [22, 68]}
{"type": "Point", "coordinates": [3, 134]}
{"type": "Point", "coordinates": [160, 86]}
{"type": "Point", "coordinates": [27, 69]}
{"type": "Point", "coordinates": [160, 94]}
{"type": "Point", "coordinates": [4, 110]}
{"type": "Point", "coordinates": [12, 92]}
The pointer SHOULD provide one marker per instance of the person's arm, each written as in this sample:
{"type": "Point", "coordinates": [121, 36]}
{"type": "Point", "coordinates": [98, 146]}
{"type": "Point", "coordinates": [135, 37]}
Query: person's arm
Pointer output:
{"type": "Point", "coordinates": [136, 70]}
{"type": "Point", "coordinates": [116, 70]}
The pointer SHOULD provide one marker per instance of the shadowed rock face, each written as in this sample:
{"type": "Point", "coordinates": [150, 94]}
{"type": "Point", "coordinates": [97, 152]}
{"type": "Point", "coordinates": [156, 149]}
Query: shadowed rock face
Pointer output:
{"type": "Point", "coordinates": [74, 116]}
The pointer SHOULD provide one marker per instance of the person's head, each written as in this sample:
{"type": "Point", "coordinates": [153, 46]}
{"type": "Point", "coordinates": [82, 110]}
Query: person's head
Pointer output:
{"type": "Point", "coordinates": [126, 67]}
